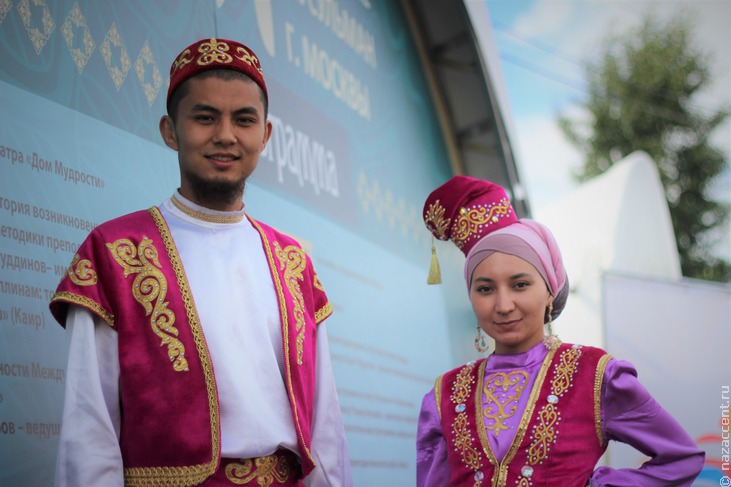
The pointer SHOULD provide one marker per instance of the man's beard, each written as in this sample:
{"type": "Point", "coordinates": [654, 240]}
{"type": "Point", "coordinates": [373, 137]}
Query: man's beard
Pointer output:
{"type": "Point", "coordinates": [216, 193]}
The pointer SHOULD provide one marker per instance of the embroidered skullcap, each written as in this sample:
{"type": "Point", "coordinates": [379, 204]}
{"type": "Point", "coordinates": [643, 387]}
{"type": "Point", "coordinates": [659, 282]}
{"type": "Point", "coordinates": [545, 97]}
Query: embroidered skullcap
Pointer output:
{"type": "Point", "coordinates": [215, 53]}
{"type": "Point", "coordinates": [476, 215]}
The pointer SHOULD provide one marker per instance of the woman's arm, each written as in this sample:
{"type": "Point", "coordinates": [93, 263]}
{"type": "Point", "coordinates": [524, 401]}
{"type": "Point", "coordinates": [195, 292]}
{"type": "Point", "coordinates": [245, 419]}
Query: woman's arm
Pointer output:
{"type": "Point", "coordinates": [632, 416]}
{"type": "Point", "coordinates": [432, 469]}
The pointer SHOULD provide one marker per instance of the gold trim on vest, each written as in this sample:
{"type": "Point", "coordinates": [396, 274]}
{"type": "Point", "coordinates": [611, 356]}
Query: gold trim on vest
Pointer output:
{"type": "Point", "coordinates": [599, 378]}
{"type": "Point", "coordinates": [186, 476]}
{"type": "Point", "coordinates": [293, 262]}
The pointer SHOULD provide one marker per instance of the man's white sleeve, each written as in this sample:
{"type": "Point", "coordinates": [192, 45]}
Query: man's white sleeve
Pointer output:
{"type": "Point", "coordinates": [88, 451]}
{"type": "Point", "coordinates": [329, 446]}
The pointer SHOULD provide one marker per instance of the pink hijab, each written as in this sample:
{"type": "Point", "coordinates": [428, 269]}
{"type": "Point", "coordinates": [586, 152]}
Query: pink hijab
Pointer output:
{"type": "Point", "coordinates": [532, 242]}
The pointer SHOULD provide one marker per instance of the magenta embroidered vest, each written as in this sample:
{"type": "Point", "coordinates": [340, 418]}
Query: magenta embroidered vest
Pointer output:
{"type": "Point", "coordinates": [559, 439]}
{"type": "Point", "coordinates": [129, 273]}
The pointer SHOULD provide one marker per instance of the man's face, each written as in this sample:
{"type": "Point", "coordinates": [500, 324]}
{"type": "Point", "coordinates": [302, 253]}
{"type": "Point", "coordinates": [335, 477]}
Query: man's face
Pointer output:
{"type": "Point", "coordinates": [219, 132]}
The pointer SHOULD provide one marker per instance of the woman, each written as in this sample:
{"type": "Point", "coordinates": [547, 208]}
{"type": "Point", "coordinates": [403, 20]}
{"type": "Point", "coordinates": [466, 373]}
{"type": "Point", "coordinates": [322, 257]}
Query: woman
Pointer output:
{"type": "Point", "coordinates": [536, 412]}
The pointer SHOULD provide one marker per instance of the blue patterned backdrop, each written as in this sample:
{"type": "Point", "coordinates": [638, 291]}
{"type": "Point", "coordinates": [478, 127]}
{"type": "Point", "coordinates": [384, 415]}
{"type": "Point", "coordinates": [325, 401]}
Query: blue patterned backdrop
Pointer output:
{"type": "Point", "coordinates": [355, 151]}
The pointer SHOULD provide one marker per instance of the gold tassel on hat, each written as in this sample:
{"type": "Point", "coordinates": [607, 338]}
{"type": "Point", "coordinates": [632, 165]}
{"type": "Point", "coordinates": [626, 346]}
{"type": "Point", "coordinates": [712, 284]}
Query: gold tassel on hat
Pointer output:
{"type": "Point", "coordinates": [435, 273]}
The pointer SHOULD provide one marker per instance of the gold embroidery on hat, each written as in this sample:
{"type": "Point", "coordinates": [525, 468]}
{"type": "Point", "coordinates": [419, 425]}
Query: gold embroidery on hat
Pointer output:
{"type": "Point", "coordinates": [81, 273]}
{"type": "Point", "coordinates": [150, 289]}
{"type": "Point", "coordinates": [436, 222]}
{"type": "Point", "coordinates": [470, 222]}
{"type": "Point", "coordinates": [182, 60]}
{"type": "Point", "coordinates": [213, 52]}
{"type": "Point", "coordinates": [292, 261]}
{"type": "Point", "coordinates": [249, 59]}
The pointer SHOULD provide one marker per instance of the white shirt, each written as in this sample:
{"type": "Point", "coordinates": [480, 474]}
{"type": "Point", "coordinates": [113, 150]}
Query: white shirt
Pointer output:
{"type": "Point", "coordinates": [235, 299]}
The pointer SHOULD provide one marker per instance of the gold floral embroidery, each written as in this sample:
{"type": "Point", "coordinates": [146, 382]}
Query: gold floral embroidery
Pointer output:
{"type": "Point", "coordinates": [435, 220]}
{"type": "Point", "coordinates": [503, 392]}
{"type": "Point", "coordinates": [463, 441]}
{"type": "Point", "coordinates": [292, 261]}
{"type": "Point", "coordinates": [471, 221]}
{"type": "Point", "coordinates": [249, 58]}
{"type": "Point", "coordinates": [500, 478]}
{"type": "Point", "coordinates": [150, 289]}
{"type": "Point", "coordinates": [81, 273]}
{"type": "Point", "coordinates": [565, 371]}
{"type": "Point", "coordinates": [265, 470]}
{"type": "Point", "coordinates": [546, 432]}
{"type": "Point", "coordinates": [213, 52]}
{"type": "Point", "coordinates": [182, 60]}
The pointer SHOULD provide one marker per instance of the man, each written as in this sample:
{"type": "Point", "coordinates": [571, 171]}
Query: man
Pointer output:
{"type": "Point", "coordinates": [198, 354]}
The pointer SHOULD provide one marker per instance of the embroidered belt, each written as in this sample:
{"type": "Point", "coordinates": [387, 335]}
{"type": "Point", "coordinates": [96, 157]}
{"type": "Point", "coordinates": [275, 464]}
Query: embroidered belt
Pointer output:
{"type": "Point", "coordinates": [280, 469]}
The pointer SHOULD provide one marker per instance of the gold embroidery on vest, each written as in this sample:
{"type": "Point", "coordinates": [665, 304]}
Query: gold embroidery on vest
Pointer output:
{"type": "Point", "coordinates": [438, 395]}
{"type": "Point", "coordinates": [191, 475]}
{"type": "Point", "coordinates": [501, 472]}
{"type": "Point", "coordinates": [323, 312]}
{"type": "Point", "coordinates": [86, 303]}
{"type": "Point", "coordinates": [166, 476]}
{"type": "Point", "coordinates": [463, 441]}
{"type": "Point", "coordinates": [598, 379]}
{"type": "Point", "coordinates": [292, 261]}
{"type": "Point", "coordinates": [316, 282]}
{"type": "Point", "coordinates": [285, 337]}
{"type": "Point", "coordinates": [81, 273]}
{"type": "Point", "coordinates": [149, 289]}
{"type": "Point", "coordinates": [546, 431]}
{"type": "Point", "coordinates": [503, 405]}
{"type": "Point", "coordinates": [266, 470]}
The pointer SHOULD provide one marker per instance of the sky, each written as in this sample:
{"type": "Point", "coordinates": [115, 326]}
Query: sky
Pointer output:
{"type": "Point", "coordinates": [543, 46]}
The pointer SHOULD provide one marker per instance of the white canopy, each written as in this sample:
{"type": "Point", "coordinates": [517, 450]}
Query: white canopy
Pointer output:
{"type": "Point", "coordinates": [618, 222]}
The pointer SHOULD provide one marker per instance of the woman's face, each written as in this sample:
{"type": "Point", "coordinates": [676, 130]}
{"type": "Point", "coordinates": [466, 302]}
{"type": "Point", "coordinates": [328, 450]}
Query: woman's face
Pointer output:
{"type": "Point", "coordinates": [509, 298]}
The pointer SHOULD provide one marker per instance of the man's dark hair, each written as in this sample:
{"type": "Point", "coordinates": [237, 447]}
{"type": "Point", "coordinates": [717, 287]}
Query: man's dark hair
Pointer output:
{"type": "Point", "coordinates": [224, 74]}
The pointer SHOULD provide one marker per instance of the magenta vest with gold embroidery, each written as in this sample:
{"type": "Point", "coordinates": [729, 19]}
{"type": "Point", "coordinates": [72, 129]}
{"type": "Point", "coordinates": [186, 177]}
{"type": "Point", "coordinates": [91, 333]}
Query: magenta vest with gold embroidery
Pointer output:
{"type": "Point", "coordinates": [129, 273]}
{"type": "Point", "coordinates": [559, 439]}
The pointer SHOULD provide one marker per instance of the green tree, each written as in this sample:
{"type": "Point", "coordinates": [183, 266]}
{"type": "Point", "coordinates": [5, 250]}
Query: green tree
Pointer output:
{"type": "Point", "coordinates": [640, 97]}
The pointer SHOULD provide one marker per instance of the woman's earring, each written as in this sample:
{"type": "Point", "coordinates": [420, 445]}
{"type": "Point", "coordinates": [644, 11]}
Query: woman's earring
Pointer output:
{"type": "Point", "coordinates": [551, 341]}
{"type": "Point", "coordinates": [480, 342]}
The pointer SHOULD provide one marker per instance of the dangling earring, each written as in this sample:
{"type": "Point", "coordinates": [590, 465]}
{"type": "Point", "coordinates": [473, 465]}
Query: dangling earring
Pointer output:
{"type": "Point", "coordinates": [551, 341]}
{"type": "Point", "coordinates": [480, 342]}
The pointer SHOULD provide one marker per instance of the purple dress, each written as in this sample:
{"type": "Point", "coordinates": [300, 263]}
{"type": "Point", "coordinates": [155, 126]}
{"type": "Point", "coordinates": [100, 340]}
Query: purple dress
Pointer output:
{"type": "Point", "coordinates": [628, 413]}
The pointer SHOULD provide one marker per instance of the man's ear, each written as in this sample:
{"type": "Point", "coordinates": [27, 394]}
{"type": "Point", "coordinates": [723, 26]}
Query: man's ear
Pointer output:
{"type": "Point", "coordinates": [167, 131]}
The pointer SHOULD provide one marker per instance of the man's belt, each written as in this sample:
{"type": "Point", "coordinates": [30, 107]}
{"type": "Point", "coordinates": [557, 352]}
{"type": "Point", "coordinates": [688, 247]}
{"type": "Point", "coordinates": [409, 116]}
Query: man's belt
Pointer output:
{"type": "Point", "coordinates": [280, 469]}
